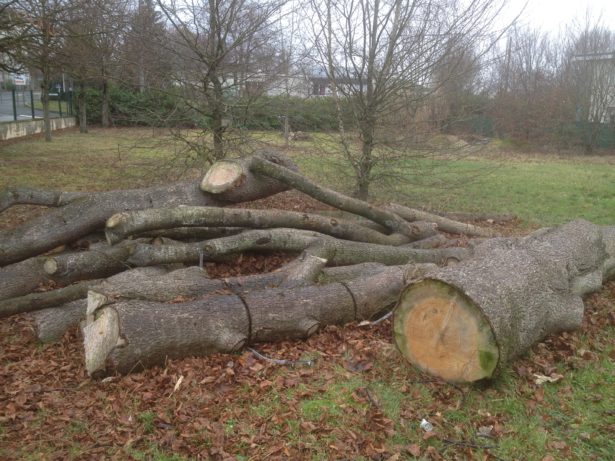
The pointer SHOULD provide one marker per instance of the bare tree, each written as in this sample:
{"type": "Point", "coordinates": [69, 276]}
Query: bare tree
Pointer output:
{"type": "Point", "coordinates": [530, 98]}
{"type": "Point", "coordinates": [43, 27]}
{"type": "Point", "coordinates": [146, 61]}
{"type": "Point", "coordinates": [381, 56]}
{"type": "Point", "coordinates": [593, 71]}
{"type": "Point", "coordinates": [216, 44]}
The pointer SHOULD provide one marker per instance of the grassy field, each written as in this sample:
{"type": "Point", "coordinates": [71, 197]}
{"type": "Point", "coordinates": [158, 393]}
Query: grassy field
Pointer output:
{"type": "Point", "coordinates": [360, 400]}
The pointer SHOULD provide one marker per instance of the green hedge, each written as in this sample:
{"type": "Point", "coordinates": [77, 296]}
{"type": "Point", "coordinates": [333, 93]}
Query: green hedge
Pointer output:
{"type": "Point", "coordinates": [155, 108]}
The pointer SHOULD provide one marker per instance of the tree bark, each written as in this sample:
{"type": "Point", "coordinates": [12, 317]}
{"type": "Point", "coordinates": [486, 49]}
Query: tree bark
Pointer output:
{"type": "Point", "coordinates": [463, 323]}
{"type": "Point", "coordinates": [38, 301]}
{"type": "Point", "coordinates": [23, 277]}
{"type": "Point", "coordinates": [337, 252]}
{"type": "Point", "coordinates": [128, 335]}
{"type": "Point", "coordinates": [232, 181]}
{"type": "Point", "coordinates": [330, 197]}
{"type": "Point", "coordinates": [51, 324]}
{"type": "Point", "coordinates": [85, 215]}
{"type": "Point", "coordinates": [121, 225]}
{"type": "Point", "coordinates": [30, 196]}
{"type": "Point", "coordinates": [444, 224]}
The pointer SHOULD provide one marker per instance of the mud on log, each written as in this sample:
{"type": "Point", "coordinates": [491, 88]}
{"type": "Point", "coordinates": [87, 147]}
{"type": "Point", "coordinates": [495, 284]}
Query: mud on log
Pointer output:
{"type": "Point", "coordinates": [463, 323]}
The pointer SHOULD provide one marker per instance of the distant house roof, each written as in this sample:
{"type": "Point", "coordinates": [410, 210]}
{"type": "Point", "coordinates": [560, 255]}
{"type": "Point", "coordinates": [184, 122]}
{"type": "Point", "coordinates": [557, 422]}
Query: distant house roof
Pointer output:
{"type": "Point", "coordinates": [602, 56]}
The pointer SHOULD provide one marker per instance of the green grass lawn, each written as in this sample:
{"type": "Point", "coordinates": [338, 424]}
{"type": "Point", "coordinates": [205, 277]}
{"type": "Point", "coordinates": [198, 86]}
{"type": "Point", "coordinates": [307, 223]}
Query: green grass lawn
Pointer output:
{"type": "Point", "coordinates": [337, 411]}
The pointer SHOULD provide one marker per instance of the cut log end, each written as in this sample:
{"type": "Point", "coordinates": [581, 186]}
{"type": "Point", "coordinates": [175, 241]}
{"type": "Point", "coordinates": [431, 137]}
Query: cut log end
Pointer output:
{"type": "Point", "coordinates": [100, 338]}
{"type": "Point", "coordinates": [441, 331]}
{"type": "Point", "coordinates": [221, 177]}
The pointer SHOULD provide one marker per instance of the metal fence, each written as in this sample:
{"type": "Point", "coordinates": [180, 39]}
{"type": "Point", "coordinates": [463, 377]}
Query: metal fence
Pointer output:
{"type": "Point", "coordinates": [26, 104]}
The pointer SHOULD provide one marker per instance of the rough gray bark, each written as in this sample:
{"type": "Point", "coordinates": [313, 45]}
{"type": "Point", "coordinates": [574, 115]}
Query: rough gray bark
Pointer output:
{"type": "Point", "coordinates": [37, 301]}
{"type": "Point", "coordinates": [85, 215]}
{"type": "Point", "coordinates": [23, 277]}
{"type": "Point", "coordinates": [330, 197]}
{"type": "Point", "coordinates": [128, 335]}
{"type": "Point", "coordinates": [510, 295]}
{"type": "Point", "coordinates": [121, 225]}
{"type": "Point", "coordinates": [51, 324]}
{"type": "Point", "coordinates": [232, 181]}
{"type": "Point", "coordinates": [30, 196]}
{"type": "Point", "coordinates": [337, 252]}
{"type": "Point", "coordinates": [444, 224]}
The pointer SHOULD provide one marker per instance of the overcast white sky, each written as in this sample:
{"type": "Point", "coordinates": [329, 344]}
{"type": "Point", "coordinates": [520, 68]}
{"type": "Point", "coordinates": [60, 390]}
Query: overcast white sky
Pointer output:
{"type": "Point", "coordinates": [551, 15]}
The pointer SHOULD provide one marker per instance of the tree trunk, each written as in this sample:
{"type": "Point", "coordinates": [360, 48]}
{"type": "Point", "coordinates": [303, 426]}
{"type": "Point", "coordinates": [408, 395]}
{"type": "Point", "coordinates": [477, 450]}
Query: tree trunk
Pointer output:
{"type": "Point", "coordinates": [51, 324]}
{"type": "Point", "coordinates": [232, 181]}
{"type": "Point", "coordinates": [29, 196]}
{"type": "Point", "coordinates": [37, 301]}
{"type": "Point", "coordinates": [45, 101]}
{"type": "Point", "coordinates": [105, 112]}
{"type": "Point", "coordinates": [463, 323]}
{"type": "Point", "coordinates": [330, 197]}
{"type": "Point", "coordinates": [83, 119]}
{"type": "Point", "coordinates": [444, 224]}
{"type": "Point", "coordinates": [84, 216]}
{"type": "Point", "coordinates": [128, 335]}
{"type": "Point", "coordinates": [122, 225]}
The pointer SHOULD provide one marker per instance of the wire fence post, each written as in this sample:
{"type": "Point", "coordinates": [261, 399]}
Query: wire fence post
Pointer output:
{"type": "Point", "coordinates": [60, 105]}
{"type": "Point", "coordinates": [14, 104]}
{"type": "Point", "coordinates": [32, 104]}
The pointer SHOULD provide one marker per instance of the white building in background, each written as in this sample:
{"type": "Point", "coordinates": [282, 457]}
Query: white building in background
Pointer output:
{"type": "Point", "coordinates": [597, 71]}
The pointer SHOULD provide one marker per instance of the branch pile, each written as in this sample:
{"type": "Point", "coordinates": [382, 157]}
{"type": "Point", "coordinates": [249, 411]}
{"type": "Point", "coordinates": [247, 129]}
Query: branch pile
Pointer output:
{"type": "Point", "coordinates": [128, 266]}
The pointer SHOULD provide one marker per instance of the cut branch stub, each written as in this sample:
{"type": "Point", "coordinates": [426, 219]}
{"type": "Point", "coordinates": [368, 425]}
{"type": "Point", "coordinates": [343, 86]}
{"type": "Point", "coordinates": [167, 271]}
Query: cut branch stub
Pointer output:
{"type": "Point", "coordinates": [232, 180]}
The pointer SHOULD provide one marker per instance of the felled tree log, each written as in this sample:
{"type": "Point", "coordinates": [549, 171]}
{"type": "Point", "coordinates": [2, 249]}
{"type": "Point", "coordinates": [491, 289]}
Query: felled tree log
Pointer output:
{"type": "Point", "coordinates": [121, 225]}
{"type": "Point", "coordinates": [29, 196]}
{"type": "Point", "coordinates": [23, 277]}
{"type": "Point", "coordinates": [127, 335]}
{"type": "Point", "coordinates": [340, 201]}
{"type": "Point", "coordinates": [50, 324]}
{"type": "Point", "coordinates": [232, 181]}
{"type": "Point", "coordinates": [337, 252]}
{"type": "Point", "coordinates": [86, 214]}
{"type": "Point", "coordinates": [463, 323]}
{"type": "Point", "coordinates": [444, 224]}
{"type": "Point", "coordinates": [37, 301]}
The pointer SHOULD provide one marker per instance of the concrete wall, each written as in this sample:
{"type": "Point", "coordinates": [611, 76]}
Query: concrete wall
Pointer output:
{"type": "Point", "coordinates": [20, 128]}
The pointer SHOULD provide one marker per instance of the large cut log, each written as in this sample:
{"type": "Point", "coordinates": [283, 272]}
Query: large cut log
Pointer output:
{"type": "Point", "coordinates": [463, 323]}
{"type": "Point", "coordinates": [84, 215]}
{"type": "Point", "coordinates": [121, 225]}
{"type": "Point", "coordinates": [128, 335]}
{"type": "Point", "coordinates": [50, 324]}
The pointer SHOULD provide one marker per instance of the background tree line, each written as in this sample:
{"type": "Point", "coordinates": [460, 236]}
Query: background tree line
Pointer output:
{"type": "Point", "coordinates": [397, 73]}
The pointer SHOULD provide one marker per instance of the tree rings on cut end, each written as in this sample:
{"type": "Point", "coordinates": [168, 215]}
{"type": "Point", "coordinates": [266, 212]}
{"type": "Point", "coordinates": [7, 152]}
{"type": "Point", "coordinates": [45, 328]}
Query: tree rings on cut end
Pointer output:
{"type": "Point", "coordinates": [441, 331]}
{"type": "Point", "coordinates": [221, 177]}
